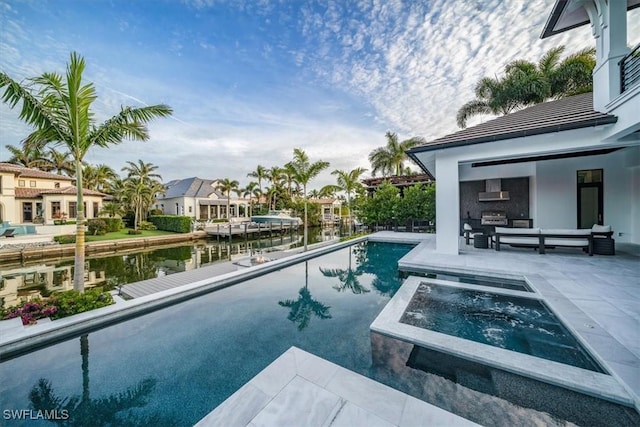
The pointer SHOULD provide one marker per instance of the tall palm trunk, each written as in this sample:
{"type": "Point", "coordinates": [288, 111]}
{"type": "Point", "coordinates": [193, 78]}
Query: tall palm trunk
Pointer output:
{"type": "Point", "coordinates": [78, 266]}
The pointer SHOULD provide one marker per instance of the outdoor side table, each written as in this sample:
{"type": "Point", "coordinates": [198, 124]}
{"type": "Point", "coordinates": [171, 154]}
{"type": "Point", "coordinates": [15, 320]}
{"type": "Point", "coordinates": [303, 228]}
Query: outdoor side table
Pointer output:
{"type": "Point", "coordinates": [481, 241]}
{"type": "Point", "coordinates": [604, 246]}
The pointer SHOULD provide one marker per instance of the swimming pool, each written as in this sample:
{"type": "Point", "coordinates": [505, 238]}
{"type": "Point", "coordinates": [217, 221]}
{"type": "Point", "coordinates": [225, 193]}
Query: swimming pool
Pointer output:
{"type": "Point", "coordinates": [182, 361]}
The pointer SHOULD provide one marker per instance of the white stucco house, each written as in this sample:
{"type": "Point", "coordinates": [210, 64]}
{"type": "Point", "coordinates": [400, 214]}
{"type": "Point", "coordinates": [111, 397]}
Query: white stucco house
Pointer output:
{"type": "Point", "coordinates": [200, 199]}
{"type": "Point", "coordinates": [574, 162]}
{"type": "Point", "coordinates": [28, 195]}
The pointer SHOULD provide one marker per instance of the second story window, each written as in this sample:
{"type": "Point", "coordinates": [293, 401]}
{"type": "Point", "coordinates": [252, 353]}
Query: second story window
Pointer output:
{"type": "Point", "coordinates": [21, 183]}
{"type": "Point", "coordinates": [32, 183]}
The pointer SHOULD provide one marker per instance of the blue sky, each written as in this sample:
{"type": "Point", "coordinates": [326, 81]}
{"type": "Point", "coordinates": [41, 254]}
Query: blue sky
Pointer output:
{"type": "Point", "coordinates": [251, 80]}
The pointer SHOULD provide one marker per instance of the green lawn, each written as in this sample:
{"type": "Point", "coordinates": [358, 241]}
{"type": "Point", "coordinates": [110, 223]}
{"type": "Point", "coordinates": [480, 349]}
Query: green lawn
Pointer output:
{"type": "Point", "coordinates": [122, 234]}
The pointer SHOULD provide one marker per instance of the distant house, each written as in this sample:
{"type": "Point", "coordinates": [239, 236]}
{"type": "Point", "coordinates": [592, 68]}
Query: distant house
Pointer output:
{"type": "Point", "coordinates": [570, 163]}
{"type": "Point", "coordinates": [28, 195]}
{"type": "Point", "coordinates": [200, 199]}
{"type": "Point", "coordinates": [399, 181]}
{"type": "Point", "coordinates": [330, 209]}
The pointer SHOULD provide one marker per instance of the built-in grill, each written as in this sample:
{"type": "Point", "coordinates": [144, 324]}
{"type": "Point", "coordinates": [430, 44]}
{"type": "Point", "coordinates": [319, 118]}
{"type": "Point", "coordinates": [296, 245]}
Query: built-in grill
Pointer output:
{"type": "Point", "coordinates": [494, 218]}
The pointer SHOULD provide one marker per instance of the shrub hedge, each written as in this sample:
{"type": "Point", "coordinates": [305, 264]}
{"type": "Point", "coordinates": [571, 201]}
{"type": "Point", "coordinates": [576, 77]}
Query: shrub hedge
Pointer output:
{"type": "Point", "coordinates": [175, 223]}
{"type": "Point", "coordinates": [66, 238]}
{"type": "Point", "coordinates": [113, 224]}
{"type": "Point", "coordinates": [96, 227]}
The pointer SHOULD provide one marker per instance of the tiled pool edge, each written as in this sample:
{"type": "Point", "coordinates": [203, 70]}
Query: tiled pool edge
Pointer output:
{"type": "Point", "coordinates": [591, 383]}
{"type": "Point", "coordinates": [313, 391]}
{"type": "Point", "coordinates": [15, 341]}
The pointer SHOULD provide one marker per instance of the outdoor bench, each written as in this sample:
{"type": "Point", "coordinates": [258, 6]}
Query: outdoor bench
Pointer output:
{"type": "Point", "coordinates": [542, 239]}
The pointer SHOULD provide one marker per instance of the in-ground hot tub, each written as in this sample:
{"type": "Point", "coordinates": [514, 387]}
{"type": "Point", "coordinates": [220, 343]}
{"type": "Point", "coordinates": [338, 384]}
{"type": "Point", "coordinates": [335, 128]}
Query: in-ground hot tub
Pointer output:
{"type": "Point", "coordinates": [468, 338]}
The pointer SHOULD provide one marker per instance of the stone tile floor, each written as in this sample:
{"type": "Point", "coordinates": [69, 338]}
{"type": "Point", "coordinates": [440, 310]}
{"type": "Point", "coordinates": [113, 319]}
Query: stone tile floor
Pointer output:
{"type": "Point", "coordinates": [300, 389]}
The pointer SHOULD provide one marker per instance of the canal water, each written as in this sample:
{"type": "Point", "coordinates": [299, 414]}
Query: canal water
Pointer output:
{"type": "Point", "coordinates": [19, 282]}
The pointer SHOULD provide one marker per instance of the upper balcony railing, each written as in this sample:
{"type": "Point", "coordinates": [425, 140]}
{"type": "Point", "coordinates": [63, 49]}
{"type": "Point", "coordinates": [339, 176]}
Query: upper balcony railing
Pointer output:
{"type": "Point", "coordinates": [630, 69]}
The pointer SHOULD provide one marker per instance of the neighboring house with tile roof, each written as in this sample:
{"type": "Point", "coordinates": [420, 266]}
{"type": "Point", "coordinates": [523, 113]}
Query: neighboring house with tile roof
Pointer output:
{"type": "Point", "coordinates": [567, 163]}
{"type": "Point", "coordinates": [27, 194]}
{"type": "Point", "coordinates": [200, 199]}
{"type": "Point", "coordinates": [330, 209]}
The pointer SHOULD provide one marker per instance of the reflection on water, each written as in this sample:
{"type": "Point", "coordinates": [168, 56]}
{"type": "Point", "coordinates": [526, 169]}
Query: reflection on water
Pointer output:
{"type": "Point", "coordinates": [301, 310]}
{"type": "Point", "coordinates": [34, 281]}
{"type": "Point", "coordinates": [83, 410]}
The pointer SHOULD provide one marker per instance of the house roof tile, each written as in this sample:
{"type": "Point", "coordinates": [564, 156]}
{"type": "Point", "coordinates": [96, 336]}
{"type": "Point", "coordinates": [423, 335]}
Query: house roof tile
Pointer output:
{"type": "Point", "coordinates": [25, 172]}
{"type": "Point", "coordinates": [573, 112]}
{"type": "Point", "coordinates": [191, 187]}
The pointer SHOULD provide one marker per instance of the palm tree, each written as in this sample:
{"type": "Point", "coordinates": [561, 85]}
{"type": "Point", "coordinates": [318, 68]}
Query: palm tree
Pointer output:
{"type": "Point", "coordinates": [60, 111]}
{"type": "Point", "coordinates": [274, 174]}
{"type": "Point", "coordinates": [288, 176]}
{"type": "Point", "coordinates": [56, 161]}
{"type": "Point", "coordinates": [25, 156]}
{"type": "Point", "coordinates": [97, 177]}
{"type": "Point", "coordinates": [261, 173]}
{"type": "Point", "coordinates": [142, 185]}
{"type": "Point", "coordinates": [390, 159]}
{"type": "Point", "coordinates": [252, 192]}
{"type": "Point", "coordinates": [303, 172]}
{"type": "Point", "coordinates": [526, 83]}
{"type": "Point", "coordinates": [112, 209]}
{"type": "Point", "coordinates": [142, 170]}
{"type": "Point", "coordinates": [227, 186]}
{"type": "Point", "coordinates": [349, 182]}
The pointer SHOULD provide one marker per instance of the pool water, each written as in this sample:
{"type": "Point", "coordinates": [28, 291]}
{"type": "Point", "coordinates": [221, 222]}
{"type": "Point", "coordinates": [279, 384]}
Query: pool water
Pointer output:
{"type": "Point", "coordinates": [515, 323]}
{"type": "Point", "coordinates": [173, 366]}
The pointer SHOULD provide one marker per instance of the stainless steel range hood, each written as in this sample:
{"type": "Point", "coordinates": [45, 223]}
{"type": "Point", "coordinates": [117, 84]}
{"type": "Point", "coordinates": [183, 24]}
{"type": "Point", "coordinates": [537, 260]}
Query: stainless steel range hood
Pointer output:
{"type": "Point", "coordinates": [493, 191]}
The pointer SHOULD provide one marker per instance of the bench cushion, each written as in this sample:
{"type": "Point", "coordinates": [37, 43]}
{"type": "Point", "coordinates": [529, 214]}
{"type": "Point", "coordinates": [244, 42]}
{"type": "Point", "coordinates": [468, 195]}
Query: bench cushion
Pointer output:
{"type": "Point", "coordinates": [518, 240]}
{"type": "Point", "coordinates": [566, 242]}
{"type": "Point", "coordinates": [505, 230]}
{"type": "Point", "coordinates": [601, 228]}
{"type": "Point", "coordinates": [566, 231]}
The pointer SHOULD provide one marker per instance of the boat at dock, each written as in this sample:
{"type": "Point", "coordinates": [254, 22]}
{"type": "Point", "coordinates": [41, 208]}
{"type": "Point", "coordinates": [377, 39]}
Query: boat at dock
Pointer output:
{"type": "Point", "coordinates": [277, 217]}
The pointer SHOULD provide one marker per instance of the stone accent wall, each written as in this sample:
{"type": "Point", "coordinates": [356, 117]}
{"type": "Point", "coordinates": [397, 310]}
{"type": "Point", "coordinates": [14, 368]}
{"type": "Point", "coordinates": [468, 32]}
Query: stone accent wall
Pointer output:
{"type": "Point", "coordinates": [517, 207]}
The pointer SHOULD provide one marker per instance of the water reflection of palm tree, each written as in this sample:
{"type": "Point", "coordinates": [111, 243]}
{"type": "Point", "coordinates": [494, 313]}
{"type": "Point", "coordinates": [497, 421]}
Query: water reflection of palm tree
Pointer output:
{"type": "Point", "coordinates": [348, 278]}
{"type": "Point", "coordinates": [305, 306]}
{"type": "Point", "coordinates": [84, 411]}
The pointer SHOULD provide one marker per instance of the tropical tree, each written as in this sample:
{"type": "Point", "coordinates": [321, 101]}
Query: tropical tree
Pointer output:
{"type": "Point", "coordinates": [390, 159]}
{"type": "Point", "coordinates": [56, 161]}
{"type": "Point", "coordinates": [137, 194]}
{"type": "Point", "coordinates": [141, 187]}
{"type": "Point", "coordinates": [274, 174]}
{"type": "Point", "coordinates": [59, 108]}
{"type": "Point", "coordinates": [349, 182]}
{"type": "Point", "coordinates": [303, 172]}
{"type": "Point", "coordinates": [525, 83]}
{"type": "Point", "coordinates": [288, 177]}
{"type": "Point", "coordinates": [252, 192]}
{"type": "Point", "coordinates": [261, 173]}
{"type": "Point", "coordinates": [26, 156]}
{"type": "Point", "coordinates": [112, 209]}
{"type": "Point", "coordinates": [98, 177]}
{"type": "Point", "coordinates": [227, 186]}
{"type": "Point", "coordinates": [142, 170]}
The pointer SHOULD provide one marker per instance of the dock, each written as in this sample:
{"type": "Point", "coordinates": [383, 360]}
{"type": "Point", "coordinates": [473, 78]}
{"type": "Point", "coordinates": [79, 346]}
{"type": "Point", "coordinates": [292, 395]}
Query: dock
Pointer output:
{"type": "Point", "coordinates": [249, 229]}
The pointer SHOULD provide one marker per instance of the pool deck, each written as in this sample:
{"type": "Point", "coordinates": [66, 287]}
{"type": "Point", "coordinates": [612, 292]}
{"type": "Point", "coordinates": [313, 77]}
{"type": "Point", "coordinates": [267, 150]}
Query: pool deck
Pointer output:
{"type": "Point", "coordinates": [597, 297]}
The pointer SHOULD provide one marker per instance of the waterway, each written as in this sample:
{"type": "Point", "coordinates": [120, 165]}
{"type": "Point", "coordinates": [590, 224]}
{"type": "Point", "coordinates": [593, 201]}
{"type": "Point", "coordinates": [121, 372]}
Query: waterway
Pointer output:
{"type": "Point", "coordinates": [19, 282]}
